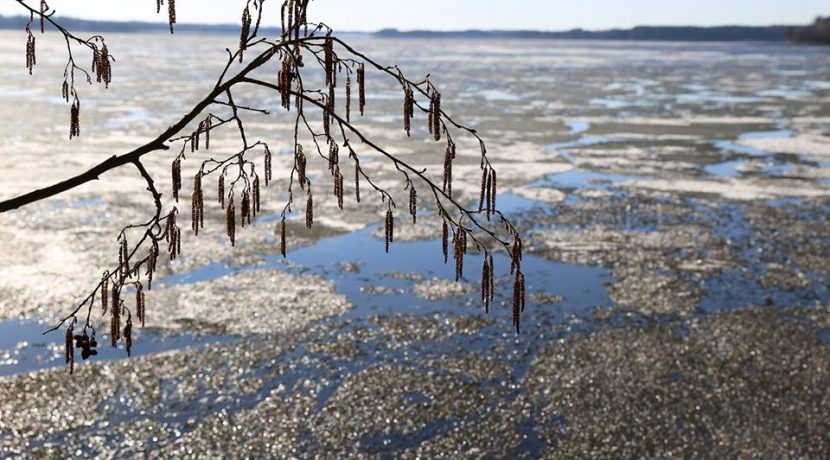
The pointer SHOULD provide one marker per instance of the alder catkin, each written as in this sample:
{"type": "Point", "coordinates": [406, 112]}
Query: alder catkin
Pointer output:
{"type": "Point", "coordinates": [115, 324]}
{"type": "Point", "coordinates": [389, 228]}
{"type": "Point", "coordinates": [69, 349]}
{"type": "Point", "coordinates": [413, 204]}
{"type": "Point", "coordinates": [31, 58]}
{"type": "Point", "coordinates": [75, 119]}
{"type": "Point", "coordinates": [105, 282]}
{"type": "Point", "coordinates": [448, 160]}
{"type": "Point", "coordinates": [245, 30]}
{"type": "Point", "coordinates": [357, 180]}
{"type": "Point", "coordinates": [221, 190]}
{"type": "Point", "coordinates": [348, 98]}
{"type": "Point", "coordinates": [459, 248]}
{"type": "Point", "coordinates": [230, 221]}
{"type": "Point", "coordinates": [361, 88]}
{"type": "Point", "coordinates": [518, 299]}
{"type": "Point", "coordinates": [176, 174]}
{"type": "Point", "coordinates": [140, 303]}
{"type": "Point", "coordinates": [268, 166]}
{"type": "Point", "coordinates": [301, 165]}
{"type": "Point", "coordinates": [445, 241]}
{"type": "Point", "coordinates": [128, 335]}
{"type": "Point", "coordinates": [309, 209]}
{"type": "Point", "coordinates": [171, 14]}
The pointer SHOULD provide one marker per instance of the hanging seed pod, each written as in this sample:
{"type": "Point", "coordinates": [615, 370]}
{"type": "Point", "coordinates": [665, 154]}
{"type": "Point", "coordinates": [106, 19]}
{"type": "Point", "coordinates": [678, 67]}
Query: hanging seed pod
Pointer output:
{"type": "Point", "coordinates": [105, 283]}
{"type": "Point", "coordinates": [244, 31]}
{"type": "Point", "coordinates": [361, 88]}
{"type": "Point", "coordinates": [230, 221]}
{"type": "Point", "coordinates": [69, 349]}
{"type": "Point", "coordinates": [413, 203]}
{"type": "Point", "coordinates": [309, 209]}
{"type": "Point", "coordinates": [177, 177]}
{"type": "Point", "coordinates": [300, 160]}
{"type": "Point", "coordinates": [128, 335]}
{"type": "Point", "coordinates": [268, 166]}
{"type": "Point", "coordinates": [31, 58]}
{"type": "Point", "coordinates": [171, 13]}
{"type": "Point", "coordinates": [445, 241]}
{"type": "Point", "coordinates": [389, 227]}
{"type": "Point", "coordinates": [349, 98]}
{"type": "Point", "coordinates": [283, 246]}
{"type": "Point", "coordinates": [75, 119]}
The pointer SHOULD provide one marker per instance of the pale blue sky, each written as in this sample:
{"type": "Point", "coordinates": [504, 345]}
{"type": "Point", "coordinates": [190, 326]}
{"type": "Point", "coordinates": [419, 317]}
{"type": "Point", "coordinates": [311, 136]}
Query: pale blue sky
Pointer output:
{"type": "Point", "coordinates": [463, 14]}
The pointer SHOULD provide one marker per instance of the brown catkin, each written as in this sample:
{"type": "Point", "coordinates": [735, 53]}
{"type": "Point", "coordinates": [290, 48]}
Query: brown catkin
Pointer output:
{"type": "Point", "coordinates": [69, 349]}
{"type": "Point", "coordinates": [105, 295]}
{"type": "Point", "coordinates": [128, 335]}
{"type": "Point", "coordinates": [257, 196]}
{"type": "Point", "coordinates": [413, 204]}
{"type": "Point", "coordinates": [389, 228]}
{"type": "Point", "coordinates": [493, 191]}
{"type": "Point", "coordinates": [445, 241]}
{"type": "Point", "coordinates": [436, 117]}
{"type": "Point", "coordinates": [197, 205]}
{"type": "Point", "coordinates": [459, 248]}
{"type": "Point", "coordinates": [484, 189]}
{"type": "Point", "coordinates": [115, 324]}
{"type": "Point", "coordinates": [65, 90]}
{"type": "Point", "coordinates": [357, 179]}
{"type": "Point", "coordinates": [75, 119]}
{"type": "Point", "coordinates": [177, 177]}
{"type": "Point", "coordinates": [361, 88]}
{"type": "Point", "coordinates": [139, 303]}
{"type": "Point", "coordinates": [101, 66]}
{"type": "Point", "coordinates": [328, 51]}
{"type": "Point", "coordinates": [31, 58]}
{"type": "Point", "coordinates": [245, 30]}
{"type": "Point", "coordinates": [348, 98]}
{"type": "Point", "coordinates": [221, 190]}
{"type": "Point", "coordinates": [486, 279]}
{"type": "Point", "coordinates": [283, 246]}
{"type": "Point", "coordinates": [448, 160]}
{"type": "Point", "coordinates": [269, 175]}
{"type": "Point", "coordinates": [245, 209]}
{"type": "Point", "coordinates": [171, 14]}
{"type": "Point", "coordinates": [309, 209]}
{"type": "Point", "coordinates": [408, 109]}
{"type": "Point", "coordinates": [230, 221]}
{"type": "Point", "coordinates": [518, 299]}
{"type": "Point", "coordinates": [516, 254]}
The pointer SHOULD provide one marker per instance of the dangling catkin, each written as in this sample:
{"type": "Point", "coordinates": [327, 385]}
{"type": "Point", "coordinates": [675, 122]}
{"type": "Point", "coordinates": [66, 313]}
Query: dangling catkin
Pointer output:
{"type": "Point", "coordinates": [69, 349]}
{"type": "Point", "coordinates": [413, 203]}
{"type": "Point", "coordinates": [283, 247]}
{"type": "Point", "coordinates": [309, 209]}
{"type": "Point", "coordinates": [389, 228]}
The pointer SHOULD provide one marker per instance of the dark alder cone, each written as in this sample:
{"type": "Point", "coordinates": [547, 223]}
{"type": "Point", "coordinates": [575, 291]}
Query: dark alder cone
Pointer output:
{"type": "Point", "coordinates": [177, 177]}
{"type": "Point", "coordinates": [105, 283]}
{"type": "Point", "coordinates": [69, 349]}
{"type": "Point", "coordinates": [75, 119]}
{"type": "Point", "coordinates": [445, 241]}
{"type": "Point", "coordinates": [31, 59]}
{"type": "Point", "coordinates": [348, 98]}
{"type": "Point", "coordinates": [222, 190]}
{"type": "Point", "coordinates": [230, 221]}
{"type": "Point", "coordinates": [171, 14]}
{"type": "Point", "coordinates": [389, 227]}
{"type": "Point", "coordinates": [413, 204]}
{"type": "Point", "coordinates": [361, 88]}
{"type": "Point", "coordinates": [283, 246]}
{"type": "Point", "coordinates": [245, 31]}
{"type": "Point", "coordinates": [128, 335]}
{"type": "Point", "coordinates": [309, 209]}
{"type": "Point", "coordinates": [269, 175]}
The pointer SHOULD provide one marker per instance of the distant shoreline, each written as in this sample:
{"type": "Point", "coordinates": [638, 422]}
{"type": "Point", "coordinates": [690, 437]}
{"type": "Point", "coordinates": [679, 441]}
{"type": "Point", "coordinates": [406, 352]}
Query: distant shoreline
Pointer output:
{"type": "Point", "coordinates": [778, 33]}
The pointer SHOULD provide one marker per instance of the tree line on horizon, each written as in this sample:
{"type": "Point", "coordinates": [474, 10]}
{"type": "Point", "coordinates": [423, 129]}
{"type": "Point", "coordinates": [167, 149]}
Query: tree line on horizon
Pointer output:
{"type": "Point", "coordinates": [816, 33]}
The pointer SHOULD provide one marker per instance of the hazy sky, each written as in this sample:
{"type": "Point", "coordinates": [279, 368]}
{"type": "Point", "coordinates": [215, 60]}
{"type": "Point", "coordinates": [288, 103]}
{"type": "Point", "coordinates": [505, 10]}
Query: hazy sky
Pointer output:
{"type": "Point", "coordinates": [462, 14]}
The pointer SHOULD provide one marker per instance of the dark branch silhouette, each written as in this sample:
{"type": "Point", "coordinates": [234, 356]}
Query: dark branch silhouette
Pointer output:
{"type": "Point", "coordinates": [240, 177]}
